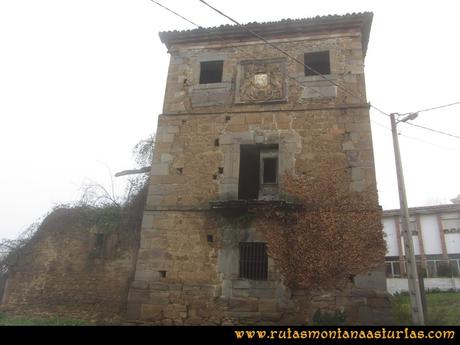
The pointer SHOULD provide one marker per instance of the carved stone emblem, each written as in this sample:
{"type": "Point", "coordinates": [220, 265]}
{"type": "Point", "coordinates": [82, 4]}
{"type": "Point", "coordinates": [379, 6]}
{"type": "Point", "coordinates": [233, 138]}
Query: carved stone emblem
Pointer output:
{"type": "Point", "coordinates": [261, 81]}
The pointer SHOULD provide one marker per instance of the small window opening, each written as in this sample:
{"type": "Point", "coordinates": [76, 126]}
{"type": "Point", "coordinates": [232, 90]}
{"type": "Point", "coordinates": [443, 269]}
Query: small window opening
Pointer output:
{"type": "Point", "coordinates": [211, 72]}
{"type": "Point", "coordinates": [216, 142]}
{"type": "Point", "coordinates": [99, 241]}
{"type": "Point", "coordinates": [221, 170]}
{"type": "Point", "coordinates": [227, 118]}
{"type": "Point", "coordinates": [214, 177]}
{"type": "Point", "coordinates": [319, 61]}
{"type": "Point", "coordinates": [253, 260]}
{"type": "Point", "coordinates": [258, 169]}
{"type": "Point", "coordinates": [179, 171]}
{"type": "Point", "coordinates": [209, 238]}
{"type": "Point", "coordinates": [184, 122]}
{"type": "Point", "coordinates": [270, 168]}
{"type": "Point", "coordinates": [162, 274]}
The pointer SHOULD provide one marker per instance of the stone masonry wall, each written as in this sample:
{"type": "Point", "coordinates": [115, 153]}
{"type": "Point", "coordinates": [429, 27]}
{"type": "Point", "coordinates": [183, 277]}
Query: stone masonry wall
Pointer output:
{"type": "Point", "coordinates": [184, 276]}
{"type": "Point", "coordinates": [61, 271]}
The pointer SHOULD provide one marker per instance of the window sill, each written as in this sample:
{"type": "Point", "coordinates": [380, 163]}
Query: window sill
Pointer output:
{"type": "Point", "coordinates": [312, 78]}
{"type": "Point", "coordinates": [211, 86]}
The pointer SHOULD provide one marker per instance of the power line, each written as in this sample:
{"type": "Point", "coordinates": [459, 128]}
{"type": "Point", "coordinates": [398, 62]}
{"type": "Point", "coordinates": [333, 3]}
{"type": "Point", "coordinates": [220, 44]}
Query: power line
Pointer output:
{"type": "Point", "coordinates": [432, 130]}
{"type": "Point", "coordinates": [236, 47]}
{"type": "Point", "coordinates": [433, 108]}
{"type": "Point", "coordinates": [415, 138]}
{"type": "Point", "coordinates": [430, 143]}
{"type": "Point", "coordinates": [276, 47]}
{"type": "Point", "coordinates": [360, 97]}
{"type": "Point", "coordinates": [177, 14]}
{"type": "Point", "coordinates": [303, 64]}
{"type": "Point", "coordinates": [423, 127]}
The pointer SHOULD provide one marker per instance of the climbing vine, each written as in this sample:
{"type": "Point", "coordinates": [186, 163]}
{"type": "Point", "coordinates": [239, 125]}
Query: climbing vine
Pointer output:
{"type": "Point", "coordinates": [335, 235]}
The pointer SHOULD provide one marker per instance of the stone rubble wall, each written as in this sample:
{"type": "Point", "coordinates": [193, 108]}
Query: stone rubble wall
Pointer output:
{"type": "Point", "coordinates": [60, 272]}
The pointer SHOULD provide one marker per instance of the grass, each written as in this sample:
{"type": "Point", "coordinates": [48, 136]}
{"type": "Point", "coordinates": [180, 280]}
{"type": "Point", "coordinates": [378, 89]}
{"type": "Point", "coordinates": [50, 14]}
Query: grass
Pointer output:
{"type": "Point", "coordinates": [443, 308]}
{"type": "Point", "coordinates": [37, 321]}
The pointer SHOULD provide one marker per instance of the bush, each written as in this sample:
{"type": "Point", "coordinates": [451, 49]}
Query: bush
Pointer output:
{"type": "Point", "coordinates": [333, 318]}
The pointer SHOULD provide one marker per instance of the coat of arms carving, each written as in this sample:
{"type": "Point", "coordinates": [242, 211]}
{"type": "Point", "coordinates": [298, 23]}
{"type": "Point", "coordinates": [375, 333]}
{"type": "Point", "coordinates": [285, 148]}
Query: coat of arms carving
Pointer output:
{"type": "Point", "coordinates": [261, 81]}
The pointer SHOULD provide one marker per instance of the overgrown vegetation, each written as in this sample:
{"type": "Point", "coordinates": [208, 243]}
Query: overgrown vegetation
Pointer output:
{"type": "Point", "coordinates": [6, 320]}
{"type": "Point", "coordinates": [443, 308]}
{"type": "Point", "coordinates": [98, 207]}
{"type": "Point", "coordinates": [336, 235]}
{"type": "Point", "coordinates": [326, 318]}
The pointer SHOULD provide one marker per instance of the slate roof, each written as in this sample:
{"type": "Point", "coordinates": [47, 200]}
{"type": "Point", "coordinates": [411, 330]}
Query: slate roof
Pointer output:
{"type": "Point", "coordinates": [282, 28]}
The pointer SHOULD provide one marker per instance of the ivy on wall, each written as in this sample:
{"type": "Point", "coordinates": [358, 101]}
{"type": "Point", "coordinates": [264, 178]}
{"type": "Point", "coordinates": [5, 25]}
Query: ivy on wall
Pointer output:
{"type": "Point", "coordinates": [334, 236]}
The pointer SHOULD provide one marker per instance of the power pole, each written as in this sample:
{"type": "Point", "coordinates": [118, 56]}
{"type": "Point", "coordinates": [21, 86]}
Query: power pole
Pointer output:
{"type": "Point", "coordinates": [412, 275]}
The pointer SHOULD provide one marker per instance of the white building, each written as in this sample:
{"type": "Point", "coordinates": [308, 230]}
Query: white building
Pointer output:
{"type": "Point", "coordinates": [436, 237]}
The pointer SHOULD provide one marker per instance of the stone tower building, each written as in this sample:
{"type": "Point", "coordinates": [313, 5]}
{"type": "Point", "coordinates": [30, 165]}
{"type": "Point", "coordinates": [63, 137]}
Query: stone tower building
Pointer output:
{"type": "Point", "coordinates": [237, 115]}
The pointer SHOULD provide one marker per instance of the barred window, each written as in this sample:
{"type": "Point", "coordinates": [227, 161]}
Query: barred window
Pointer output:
{"type": "Point", "coordinates": [253, 260]}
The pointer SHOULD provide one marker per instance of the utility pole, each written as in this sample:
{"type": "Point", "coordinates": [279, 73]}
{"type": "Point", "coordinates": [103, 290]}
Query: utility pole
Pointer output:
{"type": "Point", "coordinates": [415, 292]}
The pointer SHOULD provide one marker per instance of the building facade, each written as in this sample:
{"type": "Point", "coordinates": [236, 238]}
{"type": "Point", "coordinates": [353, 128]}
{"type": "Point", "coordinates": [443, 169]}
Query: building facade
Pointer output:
{"type": "Point", "coordinates": [237, 115]}
{"type": "Point", "coordinates": [436, 237]}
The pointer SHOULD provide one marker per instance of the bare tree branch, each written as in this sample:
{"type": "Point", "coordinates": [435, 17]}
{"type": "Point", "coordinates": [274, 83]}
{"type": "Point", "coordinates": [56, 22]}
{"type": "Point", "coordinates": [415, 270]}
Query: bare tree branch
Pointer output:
{"type": "Point", "coordinates": [133, 171]}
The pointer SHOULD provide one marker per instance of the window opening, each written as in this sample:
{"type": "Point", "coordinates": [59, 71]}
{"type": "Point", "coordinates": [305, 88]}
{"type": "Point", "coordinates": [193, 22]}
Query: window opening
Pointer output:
{"type": "Point", "coordinates": [319, 61]}
{"type": "Point", "coordinates": [211, 72]}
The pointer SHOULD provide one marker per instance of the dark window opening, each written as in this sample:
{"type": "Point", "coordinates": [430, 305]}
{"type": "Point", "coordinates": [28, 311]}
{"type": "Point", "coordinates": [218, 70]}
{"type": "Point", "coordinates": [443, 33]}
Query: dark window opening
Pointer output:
{"type": "Point", "coordinates": [211, 72]}
{"type": "Point", "coordinates": [99, 241]}
{"type": "Point", "coordinates": [162, 274]}
{"type": "Point", "coordinates": [270, 170]}
{"type": "Point", "coordinates": [221, 170]}
{"type": "Point", "coordinates": [253, 260]}
{"type": "Point", "coordinates": [248, 185]}
{"type": "Point", "coordinates": [216, 142]}
{"type": "Point", "coordinates": [319, 61]}
{"type": "Point", "coordinates": [179, 171]}
{"type": "Point", "coordinates": [209, 238]}
{"type": "Point", "coordinates": [258, 167]}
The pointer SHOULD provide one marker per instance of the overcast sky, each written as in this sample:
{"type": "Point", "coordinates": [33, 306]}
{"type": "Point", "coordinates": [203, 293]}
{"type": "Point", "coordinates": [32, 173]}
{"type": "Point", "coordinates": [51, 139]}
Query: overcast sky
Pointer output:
{"type": "Point", "coordinates": [81, 82]}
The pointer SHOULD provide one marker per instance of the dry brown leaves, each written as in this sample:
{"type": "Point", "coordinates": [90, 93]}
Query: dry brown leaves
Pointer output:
{"type": "Point", "coordinates": [336, 235]}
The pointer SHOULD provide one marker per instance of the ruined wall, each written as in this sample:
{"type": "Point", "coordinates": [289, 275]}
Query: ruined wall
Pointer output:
{"type": "Point", "coordinates": [64, 271]}
{"type": "Point", "coordinates": [187, 269]}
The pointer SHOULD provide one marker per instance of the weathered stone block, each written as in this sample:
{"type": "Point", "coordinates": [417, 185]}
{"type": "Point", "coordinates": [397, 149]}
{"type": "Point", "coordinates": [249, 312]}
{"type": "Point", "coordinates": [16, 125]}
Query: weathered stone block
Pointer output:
{"type": "Point", "coordinates": [151, 312]}
{"type": "Point", "coordinates": [133, 311]}
{"type": "Point", "coordinates": [138, 296]}
{"type": "Point", "coordinates": [243, 304]}
{"type": "Point", "coordinates": [160, 169]}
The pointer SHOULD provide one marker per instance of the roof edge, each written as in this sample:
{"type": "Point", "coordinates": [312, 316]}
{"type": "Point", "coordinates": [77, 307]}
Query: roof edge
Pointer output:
{"type": "Point", "coordinates": [269, 30]}
{"type": "Point", "coordinates": [424, 210]}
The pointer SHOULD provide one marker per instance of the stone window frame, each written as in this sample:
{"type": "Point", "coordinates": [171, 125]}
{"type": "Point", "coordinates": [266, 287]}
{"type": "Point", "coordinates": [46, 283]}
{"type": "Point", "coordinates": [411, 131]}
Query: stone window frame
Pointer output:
{"type": "Point", "coordinates": [289, 144]}
{"type": "Point", "coordinates": [212, 94]}
{"type": "Point", "coordinates": [217, 68]}
{"type": "Point", "coordinates": [315, 86]}
{"type": "Point", "coordinates": [300, 68]}
{"type": "Point", "coordinates": [228, 264]}
{"type": "Point", "coordinates": [226, 80]}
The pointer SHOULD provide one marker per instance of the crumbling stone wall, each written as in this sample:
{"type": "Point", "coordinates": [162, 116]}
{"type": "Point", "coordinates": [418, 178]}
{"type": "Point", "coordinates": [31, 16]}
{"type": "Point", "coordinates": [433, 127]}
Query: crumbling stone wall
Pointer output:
{"type": "Point", "coordinates": [63, 271]}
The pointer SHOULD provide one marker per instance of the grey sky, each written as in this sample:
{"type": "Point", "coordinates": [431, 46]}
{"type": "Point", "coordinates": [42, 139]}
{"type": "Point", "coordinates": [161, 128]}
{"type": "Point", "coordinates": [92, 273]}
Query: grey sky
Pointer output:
{"type": "Point", "coordinates": [82, 81]}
